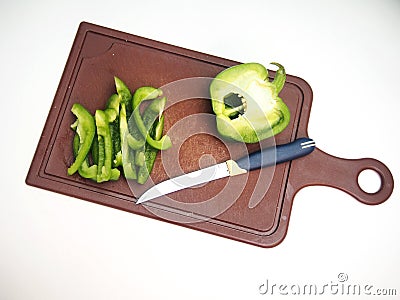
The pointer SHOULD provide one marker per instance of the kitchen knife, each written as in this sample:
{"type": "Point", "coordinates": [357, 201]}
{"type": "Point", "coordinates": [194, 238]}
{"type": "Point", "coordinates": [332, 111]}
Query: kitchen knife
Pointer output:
{"type": "Point", "coordinates": [260, 159]}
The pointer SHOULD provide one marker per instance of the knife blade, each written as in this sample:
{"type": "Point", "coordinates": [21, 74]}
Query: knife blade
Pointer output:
{"type": "Point", "coordinates": [260, 159]}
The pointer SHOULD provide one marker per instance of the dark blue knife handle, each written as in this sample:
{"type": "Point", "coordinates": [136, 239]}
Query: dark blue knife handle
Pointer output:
{"type": "Point", "coordinates": [276, 155]}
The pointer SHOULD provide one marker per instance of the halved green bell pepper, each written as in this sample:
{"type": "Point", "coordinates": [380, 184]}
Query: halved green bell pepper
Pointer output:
{"type": "Point", "coordinates": [246, 103]}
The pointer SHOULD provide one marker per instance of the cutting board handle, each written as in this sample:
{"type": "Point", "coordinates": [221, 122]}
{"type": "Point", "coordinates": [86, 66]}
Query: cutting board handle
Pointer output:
{"type": "Point", "coordinates": [320, 168]}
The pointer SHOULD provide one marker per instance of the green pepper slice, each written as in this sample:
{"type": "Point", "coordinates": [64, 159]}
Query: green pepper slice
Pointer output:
{"type": "Point", "coordinates": [128, 161]}
{"type": "Point", "coordinates": [153, 121]}
{"type": "Point", "coordinates": [124, 94]}
{"type": "Point", "coordinates": [144, 94]}
{"type": "Point", "coordinates": [84, 170]}
{"type": "Point", "coordinates": [104, 167]}
{"type": "Point", "coordinates": [150, 116]}
{"type": "Point", "coordinates": [112, 110]}
{"type": "Point", "coordinates": [85, 128]}
{"type": "Point", "coordinates": [127, 156]}
{"type": "Point", "coordinates": [150, 152]}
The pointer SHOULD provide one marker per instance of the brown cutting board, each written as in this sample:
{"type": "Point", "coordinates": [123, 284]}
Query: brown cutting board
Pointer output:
{"type": "Point", "coordinates": [253, 208]}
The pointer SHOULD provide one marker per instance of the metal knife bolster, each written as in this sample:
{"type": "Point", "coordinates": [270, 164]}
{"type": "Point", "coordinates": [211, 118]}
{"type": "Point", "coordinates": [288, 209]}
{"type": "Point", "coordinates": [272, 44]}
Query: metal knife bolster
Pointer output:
{"type": "Point", "coordinates": [274, 155]}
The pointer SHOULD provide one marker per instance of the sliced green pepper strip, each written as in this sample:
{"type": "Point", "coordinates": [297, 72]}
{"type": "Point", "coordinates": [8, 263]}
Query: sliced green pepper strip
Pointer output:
{"type": "Point", "coordinates": [150, 115]}
{"type": "Point", "coordinates": [150, 153]}
{"type": "Point", "coordinates": [84, 170]}
{"type": "Point", "coordinates": [128, 161]}
{"type": "Point", "coordinates": [85, 128]}
{"type": "Point", "coordinates": [125, 95]}
{"type": "Point", "coordinates": [154, 122]}
{"type": "Point", "coordinates": [126, 158]}
{"type": "Point", "coordinates": [139, 157]}
{"type": "Point", "coordinates": [116, 144]}
{"type": "Point", "coordinates": [137, 138]}
{"type": "Point", "coordinates": [115, 174]}
{"type": "Point", "coordinates": [101, 159]}
{"type": "Point", "coordinates": [158, 130]}
{"type": "Point", "coordinates": [113, 102]}
{"type": "Point", "coordinates": [143, 94]}
{"type": "Point", "coordinates": [133, 143]}
{"type": "Point", "coordinates": [112, 108]}
{"type": "Point", "coordinates": [104, 170]}
{"type": "Point", "coordinates": [95, 150]}
{"type": "Point", "coordinates": [117, 161]}
{"type": "Point", "coordinates": [134, 138]}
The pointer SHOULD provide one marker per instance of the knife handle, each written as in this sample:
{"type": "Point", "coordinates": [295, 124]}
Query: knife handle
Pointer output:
{"type": "Point", "coordinates": [276, 155]}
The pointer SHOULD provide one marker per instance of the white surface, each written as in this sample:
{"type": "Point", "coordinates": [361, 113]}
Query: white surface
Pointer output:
{"type": "Point", "coordinates": [57, 247]}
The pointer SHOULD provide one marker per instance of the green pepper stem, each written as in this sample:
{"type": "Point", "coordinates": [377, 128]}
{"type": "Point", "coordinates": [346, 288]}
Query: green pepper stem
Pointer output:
{"type": "Point", "coordinates": [280, 77]}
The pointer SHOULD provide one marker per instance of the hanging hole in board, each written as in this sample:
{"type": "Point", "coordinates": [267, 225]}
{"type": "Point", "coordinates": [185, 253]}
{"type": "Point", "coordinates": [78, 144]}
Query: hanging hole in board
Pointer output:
{"type": "Point", "coordinates": [370, 181]}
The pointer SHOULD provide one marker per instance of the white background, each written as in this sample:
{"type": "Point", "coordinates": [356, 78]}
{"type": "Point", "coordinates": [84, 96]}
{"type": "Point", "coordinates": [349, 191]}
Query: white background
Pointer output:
{"type": "Point", "coordinates": [57, 247]}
